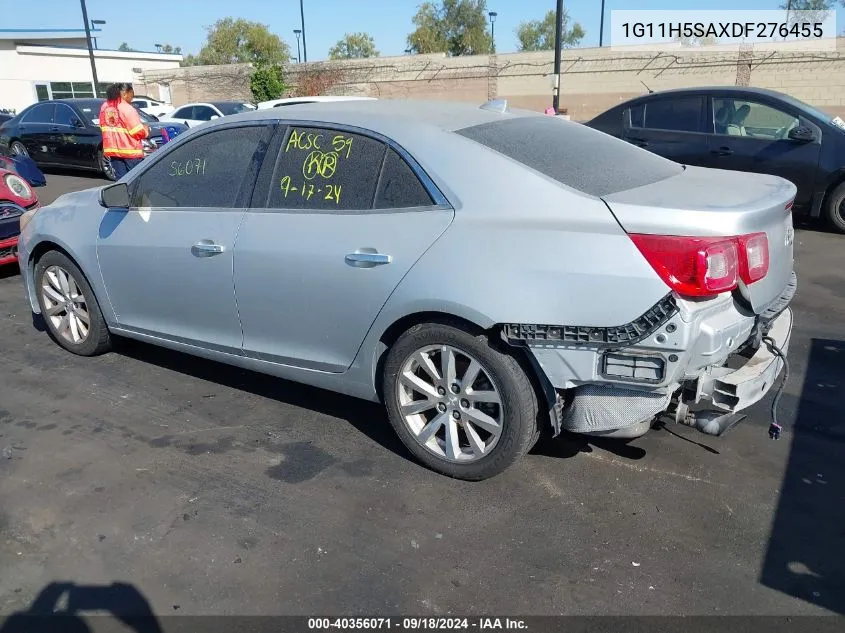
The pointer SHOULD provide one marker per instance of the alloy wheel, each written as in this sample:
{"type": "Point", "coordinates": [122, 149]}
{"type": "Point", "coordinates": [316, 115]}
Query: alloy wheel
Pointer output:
{"type": "Point", "coordinates": [19, 149]}
{"type": "Point", "coordinates": [106, 167]}
{"type": "Point", "coordinates": [450, 403]}
{"type": "Point", "coordinates": [64, 305]}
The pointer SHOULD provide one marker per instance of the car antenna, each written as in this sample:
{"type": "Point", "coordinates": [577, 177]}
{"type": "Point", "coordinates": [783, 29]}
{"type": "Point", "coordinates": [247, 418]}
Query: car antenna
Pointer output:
{"type": "Point", "coordinates": [650, 91]}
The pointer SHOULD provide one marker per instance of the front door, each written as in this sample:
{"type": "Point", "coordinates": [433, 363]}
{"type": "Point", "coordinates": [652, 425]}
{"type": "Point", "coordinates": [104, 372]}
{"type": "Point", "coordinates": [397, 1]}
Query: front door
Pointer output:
{"type": "Point", "coordinates": [73, 141]}
{"type": "Point", "coordinates": [753, 136]}
{"type": "Point", "coordinates": [672, 127]}
{"type": "Point", "coordinates": [167, 261]}
{"type": "Point", "coordinates": [338, 219]}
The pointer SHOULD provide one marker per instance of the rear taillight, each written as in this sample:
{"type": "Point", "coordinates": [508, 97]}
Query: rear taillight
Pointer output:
{"type": "Point", "coordinates": [705, 266]}
{"type": "Point", "coordinates": [754, 257]}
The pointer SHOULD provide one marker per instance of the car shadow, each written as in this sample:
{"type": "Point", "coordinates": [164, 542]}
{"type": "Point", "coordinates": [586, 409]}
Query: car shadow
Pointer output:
{"type": "Point", "coordinates": [59, 606]}
{"type": "Point", "coordinates": [805, 557]}
{"type": "Point", "coordinates": [9, 270]}
{"type": "Point", "coordinates": [75, 172]}
{"type": "Point", "coordinates": [369, 418]}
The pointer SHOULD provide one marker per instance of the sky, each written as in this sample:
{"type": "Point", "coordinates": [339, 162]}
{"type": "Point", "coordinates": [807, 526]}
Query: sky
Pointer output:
{"type": "Point", "coordinates": [182, 22]}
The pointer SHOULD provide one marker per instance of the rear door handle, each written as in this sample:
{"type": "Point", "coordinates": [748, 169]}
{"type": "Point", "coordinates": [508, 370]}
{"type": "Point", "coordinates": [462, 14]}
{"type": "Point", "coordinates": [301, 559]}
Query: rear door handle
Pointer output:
{"type": "Point", "coordinates": [722, 151]}
{"type": "Point", "coordinates": [207, 248]}
{"type": "Point", "coordinates": [54, 129]}
{"type": "Point", "coordinates": [367, 259]}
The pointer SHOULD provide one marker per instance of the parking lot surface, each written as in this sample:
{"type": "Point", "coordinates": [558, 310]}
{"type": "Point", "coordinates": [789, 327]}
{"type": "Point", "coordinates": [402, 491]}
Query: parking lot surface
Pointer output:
{"type": "Point", "coordinates": [213, 490]}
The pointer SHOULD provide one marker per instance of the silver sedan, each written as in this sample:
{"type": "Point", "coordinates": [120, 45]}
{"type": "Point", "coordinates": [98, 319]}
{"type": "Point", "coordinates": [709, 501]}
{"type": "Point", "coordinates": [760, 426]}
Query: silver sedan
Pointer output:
{"type": "Point", "coordinates": [484, 272]}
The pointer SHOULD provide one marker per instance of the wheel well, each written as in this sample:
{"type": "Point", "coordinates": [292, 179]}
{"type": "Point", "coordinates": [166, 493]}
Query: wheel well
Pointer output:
{"type": "Point", "coordinates": [827, 194]}
{"type": "Point", "coordinates": [43, 247]}
{"type": "Point", "coordinates": [543, 389]}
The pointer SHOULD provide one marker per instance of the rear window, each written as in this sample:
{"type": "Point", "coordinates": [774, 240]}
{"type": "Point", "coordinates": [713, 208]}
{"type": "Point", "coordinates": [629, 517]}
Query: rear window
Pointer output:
{"type": "Point", "coordinates": [573, 154]}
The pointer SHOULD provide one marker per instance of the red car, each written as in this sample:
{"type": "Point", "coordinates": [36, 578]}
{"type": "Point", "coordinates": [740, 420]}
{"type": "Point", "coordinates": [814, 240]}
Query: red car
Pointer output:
{"type": "Point", "coordinates": [16, 197]}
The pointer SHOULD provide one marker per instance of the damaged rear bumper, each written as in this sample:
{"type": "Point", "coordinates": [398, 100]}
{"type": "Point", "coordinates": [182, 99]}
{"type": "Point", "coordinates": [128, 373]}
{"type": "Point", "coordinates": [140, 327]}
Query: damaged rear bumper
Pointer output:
{"type": "Point", "coordinates": [706, 355]}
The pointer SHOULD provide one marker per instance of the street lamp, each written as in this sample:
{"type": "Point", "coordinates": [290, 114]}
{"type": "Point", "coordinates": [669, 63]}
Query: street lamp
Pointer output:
{"type": "Point", "coordinates": [94, 28]}
{"type": "Point", "coordinates": [601, 28]}
{"type": "Point", "coordinates": [302, 18]}
{"type": "Point", "coordinates": [558, 35]}
{"type": "Point", "coordinates": [90, 49]}
{"type": "Point", "coordinates": [297, 32]}
{"type": "Point", "coordinates": [493, 15]}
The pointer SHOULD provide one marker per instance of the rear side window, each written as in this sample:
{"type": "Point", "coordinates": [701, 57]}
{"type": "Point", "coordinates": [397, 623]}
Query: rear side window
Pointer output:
{"type": "Point", "coordinates": [399, 186]}
{"type": "Point", "coordinates": [573, 154]}
{"type": "Point", "coordinates": [40, 114]}
{"type": "Point", "coordinates": [324, 169]}
{"type": "Point", "coordinates": [679, 115]}
{"type": "Point", "coordinates": [207, 171]}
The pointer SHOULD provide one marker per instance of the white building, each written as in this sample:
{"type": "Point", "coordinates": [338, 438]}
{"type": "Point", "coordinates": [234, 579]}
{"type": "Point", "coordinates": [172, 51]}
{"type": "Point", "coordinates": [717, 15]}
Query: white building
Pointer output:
{"type": "Point", "coordinates": [36, 65]}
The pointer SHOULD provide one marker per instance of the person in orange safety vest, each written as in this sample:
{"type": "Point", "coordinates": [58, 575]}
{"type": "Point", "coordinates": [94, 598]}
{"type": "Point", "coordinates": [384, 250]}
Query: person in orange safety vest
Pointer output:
{"type": "Point", "coordinates": [122, 129]}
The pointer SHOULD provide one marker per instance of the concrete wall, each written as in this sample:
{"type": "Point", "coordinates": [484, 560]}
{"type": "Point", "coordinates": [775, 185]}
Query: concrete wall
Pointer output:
{"type": "Point", "coordinates": [592, 79]}
{"type": "Point", "coordinates": [22, 66]}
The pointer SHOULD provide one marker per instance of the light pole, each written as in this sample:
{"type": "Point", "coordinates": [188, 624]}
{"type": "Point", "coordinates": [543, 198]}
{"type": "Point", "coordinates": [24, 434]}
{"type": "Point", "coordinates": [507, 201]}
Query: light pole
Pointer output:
{"type": "Point", "coordinates": [493, 15]}
{"type": "Point", "coordinates": [302, 17]}
{"type": "Point", "coordinates": [90, 50]}
{"type": "Point", "coordinates": [93, 22]}
{"type": "Point", "coordinates": [558, 34]}
{"type": "Point", "coordinates": [601, 28]}
{"type": "Point", "coordinates": [297, 32]}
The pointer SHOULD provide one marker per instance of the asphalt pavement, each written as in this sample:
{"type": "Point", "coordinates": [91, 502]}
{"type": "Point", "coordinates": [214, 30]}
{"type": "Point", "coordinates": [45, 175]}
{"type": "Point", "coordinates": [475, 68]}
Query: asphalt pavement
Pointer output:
{"type": "Point", "coordinates": [213, 490]}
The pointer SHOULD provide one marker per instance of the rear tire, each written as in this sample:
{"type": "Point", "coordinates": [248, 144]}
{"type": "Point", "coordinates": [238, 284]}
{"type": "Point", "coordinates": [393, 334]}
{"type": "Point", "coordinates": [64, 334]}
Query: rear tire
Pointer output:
{"type": "Point", "coordinates": [18, 148]}
{"type": "Point", "coordinates": [470, 416]}
{"type": "Point", "coordinates": [69, 307]}
{"type": "Point", "coordinates": [835, 209]}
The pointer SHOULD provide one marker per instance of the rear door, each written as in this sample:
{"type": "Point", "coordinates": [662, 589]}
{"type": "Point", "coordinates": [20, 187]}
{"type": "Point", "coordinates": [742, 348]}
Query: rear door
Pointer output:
{"type": "Point", "coordinates": [670, 126]}
{"type": "Point", "coordinates": [35, 131]}
{"type": "Point", "coordinates": [337, 220]}
{"type": "Point", "coordinates": [751, 134]}
{"type": "Point", "coordinates": [185, 115]}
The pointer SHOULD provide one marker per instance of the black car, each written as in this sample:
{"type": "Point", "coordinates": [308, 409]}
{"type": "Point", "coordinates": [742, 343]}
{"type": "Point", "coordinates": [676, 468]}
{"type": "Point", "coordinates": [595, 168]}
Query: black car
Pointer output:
{"type": "Point", "coordinates": [742, 129]}
{"type": "Point", "coordinates": [65, 133]}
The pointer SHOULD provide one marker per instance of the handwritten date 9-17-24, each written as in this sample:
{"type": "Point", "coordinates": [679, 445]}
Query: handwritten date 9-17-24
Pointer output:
{"type": "Point", "coordinates": [307, 190]}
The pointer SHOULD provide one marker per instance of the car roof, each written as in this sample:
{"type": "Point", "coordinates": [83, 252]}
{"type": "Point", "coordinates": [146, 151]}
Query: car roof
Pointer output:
{"type": "Point", "coordinates": [386, 115]}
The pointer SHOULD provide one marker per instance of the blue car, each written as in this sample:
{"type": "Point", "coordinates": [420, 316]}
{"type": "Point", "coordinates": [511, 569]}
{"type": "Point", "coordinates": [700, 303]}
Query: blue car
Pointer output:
{"type": "Point", "coordinates": [24, 166]}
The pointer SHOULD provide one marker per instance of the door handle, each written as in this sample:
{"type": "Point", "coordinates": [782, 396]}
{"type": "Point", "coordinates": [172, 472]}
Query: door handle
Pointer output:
{"type": "Point", "coordinates": [207, 248]}
{"type": "Point", "coordinates": [639, 142]}
{"type": "Point", "coordinates": [722, 151]}
{"type": "Point", "coordinates": [368, 258]}
{"type": "Point", "coordinates": [54, 129]}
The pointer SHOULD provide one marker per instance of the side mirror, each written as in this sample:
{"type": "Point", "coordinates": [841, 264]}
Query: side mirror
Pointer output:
{"type": "Point", "coordinates": [802, 134]}
{"type": "Point", "coordinates": [214, 117]}
{"type": "Point", "coordinates": [115, 196]}
{"type": "Point", "coordinates": [154, 118]}
{"type": "Point", "coordinates": [77, 123]}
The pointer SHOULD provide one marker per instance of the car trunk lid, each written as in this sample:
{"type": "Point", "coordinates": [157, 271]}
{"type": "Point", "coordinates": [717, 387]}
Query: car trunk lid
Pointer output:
{"type": "Point", "coordinates": [705, 203]}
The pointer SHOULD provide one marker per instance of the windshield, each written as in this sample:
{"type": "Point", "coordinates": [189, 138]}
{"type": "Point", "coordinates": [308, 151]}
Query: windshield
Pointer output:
{"type": "Point", "coordinates": [91, 111]}
{"type": "Point", "coordinates": [234, 108]}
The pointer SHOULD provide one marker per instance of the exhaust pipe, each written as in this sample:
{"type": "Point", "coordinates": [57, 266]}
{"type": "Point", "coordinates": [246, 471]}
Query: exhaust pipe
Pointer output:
{"type": "Point", "coordinates": [714, 422]}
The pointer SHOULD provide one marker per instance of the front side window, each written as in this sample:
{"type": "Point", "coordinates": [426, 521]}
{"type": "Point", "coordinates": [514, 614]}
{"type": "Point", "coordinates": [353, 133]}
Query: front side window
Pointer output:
{"type": "Point", "coordinates": [233, 108]}
{"type": "Point", "coordinates": [65, 116]}
{"type": "Point", "coordinates": [324, 169]}
{"type": "Point", "coordinates": [207, 171]}
{"type": "Point", "coordinates": [203, 113]}
{"type": "Point", "coordinates": [183, 113]}
{"type": "Point", "coordinates": [741, 117]}
{"type": "Point", "coordinates": [682, 114]}
{"type": "Point", "coordinates": [40, 114]}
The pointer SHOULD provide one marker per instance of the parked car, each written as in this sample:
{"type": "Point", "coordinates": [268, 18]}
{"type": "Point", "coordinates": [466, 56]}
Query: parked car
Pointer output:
{"type": "Point", "coordinates": [277, 103]}
{"type": "Point", "coordinates": [66, 133]}
{"type": "Point", "coordinates": [16, 198]}
{"type": "Point", "coordinates": [483, 272]}
{"type": "Point", "coordinates": [151, 106]}
{"type": "Point", "coordinates": [193, 114]}
{"type": "Point", "coordinates": [23, 166]}
{"type": "Point", "coordinates": [743, 129]}
{"type": "Point", "coordinates": [5, 117]}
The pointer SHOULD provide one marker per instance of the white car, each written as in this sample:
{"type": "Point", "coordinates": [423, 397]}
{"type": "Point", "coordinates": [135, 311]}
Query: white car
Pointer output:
{"type": "Point", "coordinates": [151, 106]}
{"type": "Point", "coordinates": [192, 114]}
{"type": "Point", "coordinates": [276, 103]}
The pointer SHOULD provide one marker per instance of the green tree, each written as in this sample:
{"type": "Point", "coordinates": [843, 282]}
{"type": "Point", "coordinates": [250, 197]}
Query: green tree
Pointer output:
{"type": "Point", "coordinates": [125, 48]}
{"type": "Point", "coordinates": [817, 10]}
{"type": "Point", "coordinates": [171, 50]}
{"type": "Point", "coordinates": [456, 27]}
{"type": "Point", "coordinates": [353, 46]}
{"type": "Point", "coordinates": [267, 82]}
{"type": "Point", "coordinates": [539, 35]}
{"type": "Point", "coordinates": [232, 41]}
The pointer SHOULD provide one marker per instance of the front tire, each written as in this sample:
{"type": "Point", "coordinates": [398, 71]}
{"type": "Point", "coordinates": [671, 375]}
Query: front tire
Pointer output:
{"type": "Point", "coordinates": [105, 166]}
{"type": "Point", "coordinates": [69, 307]}
{"type": "Point", "coordinates": [460, 406]}
{"type": "Point", "coordinates": [835, 210]}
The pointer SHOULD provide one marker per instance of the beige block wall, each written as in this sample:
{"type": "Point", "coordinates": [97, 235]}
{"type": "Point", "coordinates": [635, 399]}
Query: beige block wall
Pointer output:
{"type": "Point", "coordinates": [592, 80]}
